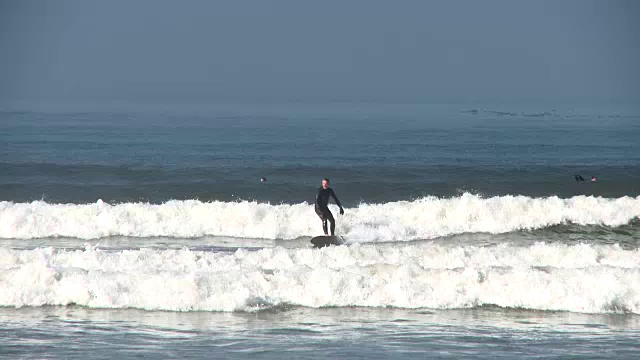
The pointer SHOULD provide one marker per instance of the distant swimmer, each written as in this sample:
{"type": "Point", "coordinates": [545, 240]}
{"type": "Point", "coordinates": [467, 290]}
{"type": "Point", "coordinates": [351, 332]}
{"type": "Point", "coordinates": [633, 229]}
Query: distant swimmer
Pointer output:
{"type": "Point", "coordinates": [593, 179]}
{"type": "Point", "coordinates": [322, 206]}
{"type": "Point", "coordinates": [579, 178]}
{"type": "Point", "coordinates": [263, 179]}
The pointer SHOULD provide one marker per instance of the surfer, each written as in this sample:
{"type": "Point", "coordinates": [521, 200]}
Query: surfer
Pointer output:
{"type": "Point", "coordinates": [322, 206]}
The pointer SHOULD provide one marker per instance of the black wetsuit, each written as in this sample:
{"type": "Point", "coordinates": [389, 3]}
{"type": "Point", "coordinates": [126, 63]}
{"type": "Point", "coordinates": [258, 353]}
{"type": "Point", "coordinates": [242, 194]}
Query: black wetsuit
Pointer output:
{"type": "Point", "coordinates": [322, 208]}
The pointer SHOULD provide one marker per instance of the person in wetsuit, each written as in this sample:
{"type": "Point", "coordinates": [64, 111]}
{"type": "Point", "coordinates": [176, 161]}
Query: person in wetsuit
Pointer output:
{"type": "Point", "coordinates": [322, 206]}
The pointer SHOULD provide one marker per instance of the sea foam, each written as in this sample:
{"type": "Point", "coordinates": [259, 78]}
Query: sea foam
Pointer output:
{"type": "Point", "coordinates": [424, 218]}
{"type": "Point", "coordinates": [578, 278]}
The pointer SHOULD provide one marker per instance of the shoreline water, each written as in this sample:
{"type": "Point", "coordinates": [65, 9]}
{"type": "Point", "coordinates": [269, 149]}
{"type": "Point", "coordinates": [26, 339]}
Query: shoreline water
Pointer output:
{"type": "Point", "coordinates": [316, 333]}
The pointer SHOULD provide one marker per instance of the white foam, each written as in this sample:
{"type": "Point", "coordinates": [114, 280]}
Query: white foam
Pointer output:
{"type": "Point", "coordinates": [404, 220]}
{"type": "Point", "coordinates": [579, 278]}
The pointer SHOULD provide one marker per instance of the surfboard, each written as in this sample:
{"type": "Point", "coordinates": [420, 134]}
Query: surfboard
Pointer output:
{"type": "Point", "coordinates": [322, 241]}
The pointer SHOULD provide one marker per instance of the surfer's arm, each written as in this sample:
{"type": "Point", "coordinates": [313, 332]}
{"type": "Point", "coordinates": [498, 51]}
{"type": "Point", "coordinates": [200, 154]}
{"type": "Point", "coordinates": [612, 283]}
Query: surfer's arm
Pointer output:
{"type": "Point", "coordinates": [335, 198]}
{"type": "Point", "coordinates": [318, 197]}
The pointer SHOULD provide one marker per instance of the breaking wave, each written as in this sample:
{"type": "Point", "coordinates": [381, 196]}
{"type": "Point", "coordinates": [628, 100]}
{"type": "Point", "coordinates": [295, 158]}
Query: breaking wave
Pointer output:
{"type": "Point", "coordinates": [424, 218]}
{"type": "Point", "coordinates": [578, 278]}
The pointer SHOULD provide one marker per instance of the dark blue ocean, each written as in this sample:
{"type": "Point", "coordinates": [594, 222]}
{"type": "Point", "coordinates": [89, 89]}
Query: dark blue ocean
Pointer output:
{"type": "Point", "coordinates": [147, 230]}
{"type": "Point", "coordinates": [373, 153]}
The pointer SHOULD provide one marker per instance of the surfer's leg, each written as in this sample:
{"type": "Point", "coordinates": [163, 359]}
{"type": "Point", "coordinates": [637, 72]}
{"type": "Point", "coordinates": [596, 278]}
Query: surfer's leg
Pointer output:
{"type": "Point", "coordinates": [329, 216]}
{"type": "Point", "coordinates": [323, 217]}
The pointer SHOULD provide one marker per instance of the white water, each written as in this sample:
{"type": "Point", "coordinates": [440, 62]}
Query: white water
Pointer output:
{"type": "Point", "coordinates": [425, 218]}
{"type": "Point", "coordinates": [579, 278]}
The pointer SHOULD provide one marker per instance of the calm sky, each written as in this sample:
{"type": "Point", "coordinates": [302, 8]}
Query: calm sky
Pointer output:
{"type": "Point", "coordinates": [316, 51]}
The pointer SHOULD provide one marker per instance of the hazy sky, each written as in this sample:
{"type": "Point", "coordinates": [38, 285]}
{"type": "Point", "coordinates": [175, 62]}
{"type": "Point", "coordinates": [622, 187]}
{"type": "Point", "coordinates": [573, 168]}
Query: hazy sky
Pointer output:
{"type": "Point", "coordinates": [389, 51]}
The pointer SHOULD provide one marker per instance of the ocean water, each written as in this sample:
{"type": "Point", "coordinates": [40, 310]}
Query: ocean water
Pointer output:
{"type": "Point", "coordinates": [147, 233]}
